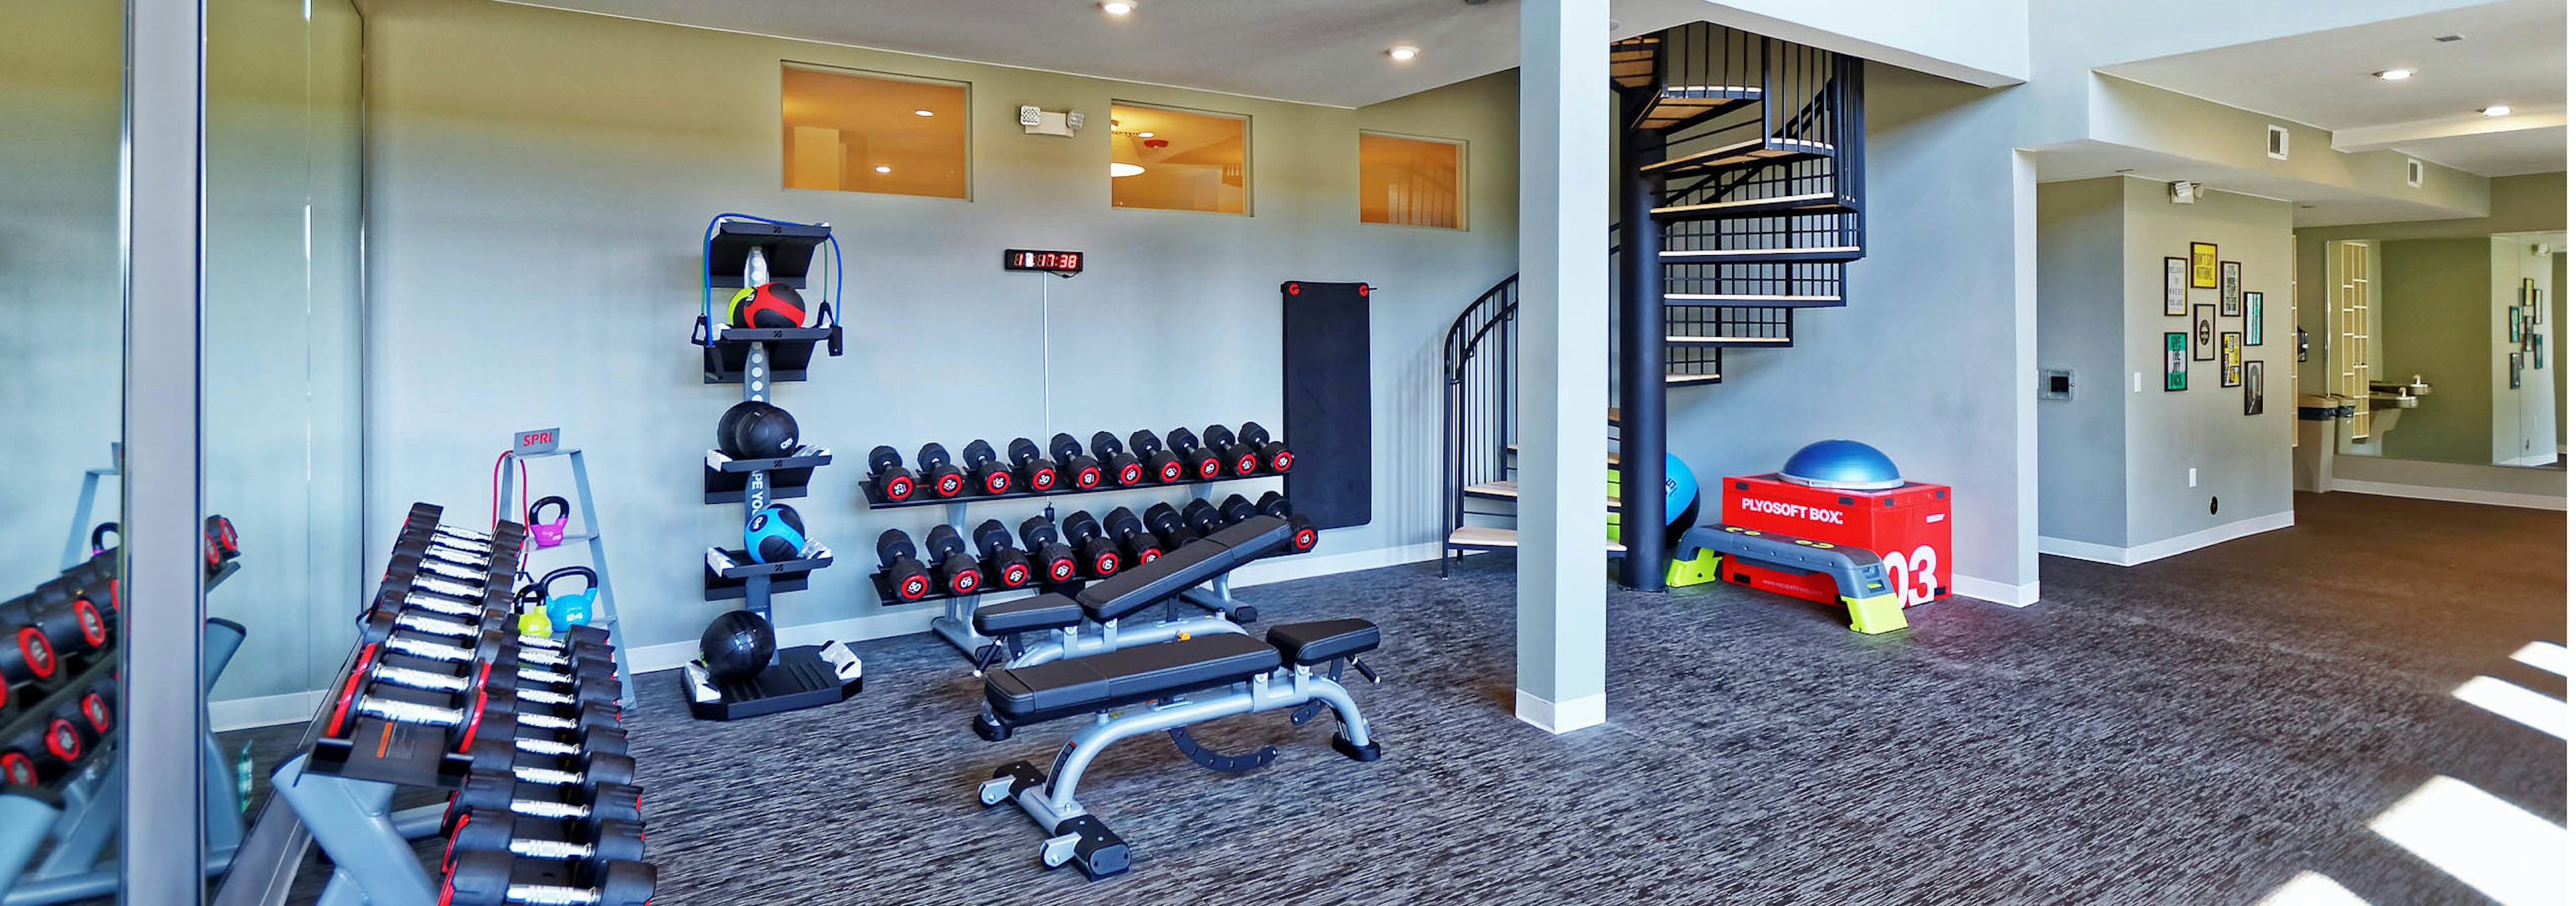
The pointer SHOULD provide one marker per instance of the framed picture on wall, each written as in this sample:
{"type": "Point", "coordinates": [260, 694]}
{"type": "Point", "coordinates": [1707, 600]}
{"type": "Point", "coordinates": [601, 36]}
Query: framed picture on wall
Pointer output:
{"type": "Point", "coordinates": [2513, 323]}
{"type": "Point", "coordinates": [2253, 388]}
{"type": "Point", "coordinates": [2177, 286]}
{"type": "Point", "coordinates": [2204, 332]}
{"type": "Point", "coordinates": [2231, 359]}
{"type": "Point", "coordinates": [2231, 289]}
{"type": "Point", "coordinates": [2177, 361]}
{"type": "Point", "coordinates": [2253, 319]}
{"type": "Point", "coordinates": [2513, 370]}
{"type": "Point", "coordinates": [2204, 265]}
{"type": "Point", "coordinates": [2535, 351]}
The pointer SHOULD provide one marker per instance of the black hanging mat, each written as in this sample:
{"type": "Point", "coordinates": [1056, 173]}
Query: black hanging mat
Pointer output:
{"type": "Point", "coordinates": [1324, 355]}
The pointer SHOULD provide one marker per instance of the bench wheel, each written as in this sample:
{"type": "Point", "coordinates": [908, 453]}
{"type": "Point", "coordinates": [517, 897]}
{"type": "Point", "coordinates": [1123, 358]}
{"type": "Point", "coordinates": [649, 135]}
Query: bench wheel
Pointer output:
{"type": "Point", "coordinates": [1058, 850]}
{"type": "Point", "coordinates": [1244, 614]}
{"type": "Point", "coordinates": [993, 792]}
{"type": "Point", "coordinates": [990, 728]}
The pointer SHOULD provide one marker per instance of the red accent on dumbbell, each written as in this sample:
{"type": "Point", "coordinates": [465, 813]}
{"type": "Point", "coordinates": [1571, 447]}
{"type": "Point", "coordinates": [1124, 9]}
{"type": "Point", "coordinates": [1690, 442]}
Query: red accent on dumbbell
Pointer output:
{"type": "Point", "coordinates": [1364, 288]}
{"type": "Point", "coordinates": [17, 769]}
{"type": "Point", "coordinates": [474, 721]}
{"type": "Point", "coordinates": [1106, 565]}
{"type": "Point", "coordinates": [1062, 570]}
{"type": "Point", "coordinates": [35, 652]}
{"type": "Point", "coordinates": [964, 582]}
{"type": "Point", "coordinates": [898, 488]}
{"type": "Point", "coordinates": [93, 708]}
{"type": "Point", "coordinates": [1172, 471]}
{"type": "Point", "coordinates": [1015, 574]}
{"type": "Point", "coordinates": [1304, 540]}
{"type": "Point", "coordinates": [62, 739]}
{"type": "Point", "coordinates": [1042, 480]}
{"type": "Point", "coordinates": [913, 588]}
{"type": "Point", "coordinates": [998, 483]}
{"type": "Point", "coordinates": [93, 627]}
{"type": "Point", "coordinates": [1281, 462]}
{"type": "Point", "coordinates": [1087, 478]}
{"type": "Point", "coordinates": [1295, 288]}
{"type": "Point", "coordinates": [1211, 468]}
{"type": "Point", "coordinates": [1148, 555]}
{"type": "Point", "coordinates": [349, 692]}
{"type": "Point", "coordinates": [1131, 474]}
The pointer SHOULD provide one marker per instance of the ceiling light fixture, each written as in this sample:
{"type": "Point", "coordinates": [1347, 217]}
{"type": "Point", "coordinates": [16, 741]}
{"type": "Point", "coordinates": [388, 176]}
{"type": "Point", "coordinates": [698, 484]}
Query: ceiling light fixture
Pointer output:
{"type": "Point", "coordinates": [1403, 52]}
{"type": "Point", "coordinates": [884, 169]}
{"type": "Point", "coordinates": [1144, 135]}
{"type": "Point", "coordinates": [1118, 169]}
{"type": "Point", "coordinates": [2394, 75]}
{"type": "Point", "coordinates": [2497, 110]}
{"type": "Point", "coordinates": [922, 113]}
{"type": "Point", "coordinates": [1117, 7]}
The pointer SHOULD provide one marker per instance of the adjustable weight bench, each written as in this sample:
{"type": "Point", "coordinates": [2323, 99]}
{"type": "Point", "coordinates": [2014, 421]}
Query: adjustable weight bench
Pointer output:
{"type": "Point", "coordinates": [1104, 603]}
{"type": "Point", "coordinates": [1248, 675]}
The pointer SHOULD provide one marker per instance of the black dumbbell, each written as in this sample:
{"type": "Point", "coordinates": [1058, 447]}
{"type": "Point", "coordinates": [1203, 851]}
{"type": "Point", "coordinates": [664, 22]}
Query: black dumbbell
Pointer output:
{"type": "Point", "coordinates": [491, 830]}
{"type": "Point", "coordinates": [1167, 525]}
{"type": "Point", "coordinates": [490, 879]}
{"type": "Point", "coordinates": [97, 707]}
{"type": "Point", "coordinates": [590, 682]}
{"type": "Point", "coordinates": [527, 765]}
{"type": "Point", "coordinates": [494, 638]}
{"type": "Point", "coordinates": [1196, 460]}
{"type": "Point", "coordinates": [1274, 455]}
{"type": "Point", "coordinates": [894, 482]}
{"type": "Point", "coordinates": [943, 478]}
{"type": "Point", "coordinates": [1235, 509]}
{"type": "Point", "coordinates": [1008, 567]}
{"type": "Point", "coordinates": [501, 710]}
{"type": "Point", "coordinates": [1048, 552]}
{"type": "Point", "coordinates": [40, 753]}
{"type": "Point", "coordinates": [949, 563]}
{"type": "Point", "coordinates": [1125, 470]}
{"type": "Point", "coordinates": [223, 544]}
{"type": "Point", "coordinates": [1240, 458]}
{"type": "Point", "coordinates": [1036, 472]}
{"type": "Point", "coordinates": [1097, 554]}
{"type": "Point", "coordinates": [27, 656]}
{"type": "Point", "coordinates": [1202, 518]}
{"type": "Point", "coordinates": [1080, 471]}
{"type": "Point", "coordinates": [505, 791]}
{"type": "Point", "coordinates": [1301, 530]}
{"type": "Point", "coordinates": [909, 580]}
{"type": "Point", "coordinates": [985, 470]}
{"type": "Point", "coordinates": [1160, 464]}
{"type": "Point", "coordinates": [575, 637]}
{"type": "Point", "coordinates": [1129, 532]}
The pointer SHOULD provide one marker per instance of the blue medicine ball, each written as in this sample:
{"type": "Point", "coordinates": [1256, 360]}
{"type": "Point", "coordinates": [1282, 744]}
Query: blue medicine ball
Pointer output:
{"type": "Point", "coordinates": [1846, 465]}
{"type": "Point", "coordinates": [775, 534]}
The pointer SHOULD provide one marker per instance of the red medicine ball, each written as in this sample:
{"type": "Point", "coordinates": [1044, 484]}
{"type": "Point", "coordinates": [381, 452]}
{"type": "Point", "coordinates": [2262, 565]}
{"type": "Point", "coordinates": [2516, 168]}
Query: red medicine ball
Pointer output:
{"type": "Point", "coordinates": [771, 305]}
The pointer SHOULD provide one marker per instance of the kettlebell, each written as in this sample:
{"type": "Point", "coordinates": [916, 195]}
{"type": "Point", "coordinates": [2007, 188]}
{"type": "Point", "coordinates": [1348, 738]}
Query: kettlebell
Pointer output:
{"type": "Point", "coordinates": [572, 609]}
{"type": "Point", "coordinates": [531, 604]}
{"type": "Point", "coordinates": [548, 532]}
{"type": "Point", "coordinates": [98, 543]}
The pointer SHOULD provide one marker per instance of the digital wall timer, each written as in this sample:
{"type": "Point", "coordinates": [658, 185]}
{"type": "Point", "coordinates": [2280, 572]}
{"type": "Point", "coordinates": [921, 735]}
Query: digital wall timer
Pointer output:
{"type": "Point", "coordinates": [1037, 260]}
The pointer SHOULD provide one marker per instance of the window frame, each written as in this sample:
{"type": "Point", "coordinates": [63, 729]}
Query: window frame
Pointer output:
{"type": "Point", "coordinates": [1244, 118]}
{"type": "Point", "coordinates": [966, 114]}
{"type": "Point", "coordinates": [1464, 224]}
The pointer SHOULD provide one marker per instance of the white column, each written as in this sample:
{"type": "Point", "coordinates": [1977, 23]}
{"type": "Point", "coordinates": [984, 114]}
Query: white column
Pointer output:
{"type": "Point", "coordinates": [1564, 360]}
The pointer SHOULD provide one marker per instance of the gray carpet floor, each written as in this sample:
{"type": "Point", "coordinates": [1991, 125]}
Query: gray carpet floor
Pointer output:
{"type": "Point", "coordinates": [2194, 730]}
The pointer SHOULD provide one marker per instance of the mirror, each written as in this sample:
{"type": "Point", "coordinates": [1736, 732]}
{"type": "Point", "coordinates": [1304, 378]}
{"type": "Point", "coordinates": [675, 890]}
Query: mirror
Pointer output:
{"type": "Point", "coordinates": [2462, 340]}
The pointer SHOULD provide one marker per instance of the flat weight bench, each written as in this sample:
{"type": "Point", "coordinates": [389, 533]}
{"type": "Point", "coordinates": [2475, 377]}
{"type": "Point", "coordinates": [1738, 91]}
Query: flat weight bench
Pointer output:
{"type": "Point", "coordinates": [1253, 676]}
{"type": "Point", "coordinates": [1107, 601]}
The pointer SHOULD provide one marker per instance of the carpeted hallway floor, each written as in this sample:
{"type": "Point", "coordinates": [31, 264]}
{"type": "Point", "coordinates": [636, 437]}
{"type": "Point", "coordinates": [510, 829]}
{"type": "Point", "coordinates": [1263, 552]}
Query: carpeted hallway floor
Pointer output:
{"type": "Point", "coordinates": [2194, 730]}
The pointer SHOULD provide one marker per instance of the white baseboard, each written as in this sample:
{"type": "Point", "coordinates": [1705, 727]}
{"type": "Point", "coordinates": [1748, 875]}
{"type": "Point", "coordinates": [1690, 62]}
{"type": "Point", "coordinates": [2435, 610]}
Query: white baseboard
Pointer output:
{"type": "Point", "coordinates": [2179, 544]}
{"type": "Point", "coordinates": [2453, 495]}
{"type": "Point", "coordinates": [2536, 459]}
{"type": "Point", "coordinates": [2004, 593]}
{"type": "Point", "coordinates": [264, 711]}
{"type": "Point", "coordinates": [1561, 717]}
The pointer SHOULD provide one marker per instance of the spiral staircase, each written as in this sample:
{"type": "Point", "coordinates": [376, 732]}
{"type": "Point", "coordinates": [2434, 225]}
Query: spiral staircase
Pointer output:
{"type": "Point", "coordinates": [1742, 169]}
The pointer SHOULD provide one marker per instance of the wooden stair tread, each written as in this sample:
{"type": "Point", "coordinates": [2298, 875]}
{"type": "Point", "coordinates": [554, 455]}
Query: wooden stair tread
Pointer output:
{"type": "Point", "coordinates": [1675, 106]}
{"type": "Point", "coordinates": [1749, 151]}
{"type": "Point", "coordinates": [1685, 380]}
{"type": "Point", "coordinates": [1508, 490]}
{"type": "Point", "coordinates": [1481, 536]}
{"type": "Point", "coordinates": [1726, 341]}
{"type": "Point", "coordinates": [1811, 203]}
{"type": "Point", "coordinates": [1758, 300]}
{"type": "Point", "coordinates": [1516, 449]}
{"type": "Point", "coordinates": [1761, 253]}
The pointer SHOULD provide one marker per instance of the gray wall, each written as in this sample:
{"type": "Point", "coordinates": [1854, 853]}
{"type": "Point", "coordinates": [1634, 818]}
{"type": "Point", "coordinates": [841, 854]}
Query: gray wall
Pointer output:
{"type": "Point", "coordinates": [61, 289]}
{"type": "Point", "coordinates": [540, 180]}
{"type": "Point", "coordinates": [2433, 322]}
{"type": "Point", "coordinates": [2083, 452]}
{"type": "Point", "coordinates": [1923, 362]}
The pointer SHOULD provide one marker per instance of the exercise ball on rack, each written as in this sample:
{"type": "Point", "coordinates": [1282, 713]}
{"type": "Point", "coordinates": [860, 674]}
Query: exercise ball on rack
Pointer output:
{"type": "Point", "coordinates": [774, 534]}
{"type": "Point", "coordinates": [1843, 465]}
{"type": "Point", "coordinates": [770, 305]}
{"type": "Point", "coordinates": [737, 645]}
{"type": "Point", "coordinates": [756, 430]}
{"type": "Point", "coordinates": [1681, 495]}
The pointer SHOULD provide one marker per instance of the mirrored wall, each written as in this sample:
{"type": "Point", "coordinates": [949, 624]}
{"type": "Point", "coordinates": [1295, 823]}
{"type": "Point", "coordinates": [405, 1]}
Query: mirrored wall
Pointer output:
{"type": "Point", "coordinates": [2458, 341]}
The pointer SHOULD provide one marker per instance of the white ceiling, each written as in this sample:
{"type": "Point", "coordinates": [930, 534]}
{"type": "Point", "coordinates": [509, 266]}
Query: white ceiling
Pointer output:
{"type": "Point", "coordinates": [2513, 52]}
{"type": "Point", "coordinates": [1315, 51]}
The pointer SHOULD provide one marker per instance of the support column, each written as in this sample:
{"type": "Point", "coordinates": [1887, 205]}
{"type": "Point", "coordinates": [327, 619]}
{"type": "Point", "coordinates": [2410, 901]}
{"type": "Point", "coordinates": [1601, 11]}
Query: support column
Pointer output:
{"type": "Point", "coordinates": [1564, 379]}
{"type": "Point", "coordinates": [163, 700]}
{"type": "Point", "coordinates": [1641, 363]}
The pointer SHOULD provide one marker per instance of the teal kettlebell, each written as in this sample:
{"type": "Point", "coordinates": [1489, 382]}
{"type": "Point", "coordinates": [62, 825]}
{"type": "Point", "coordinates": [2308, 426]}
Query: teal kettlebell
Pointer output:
{"type": "Point", "coordinates": [572, 609]}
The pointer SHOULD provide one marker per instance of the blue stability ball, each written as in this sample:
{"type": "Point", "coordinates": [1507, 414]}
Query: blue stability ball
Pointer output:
{"type": "Point", "coordinates": [1681, 493]}
{"type": "Point", "coordinates": [1845, 465]}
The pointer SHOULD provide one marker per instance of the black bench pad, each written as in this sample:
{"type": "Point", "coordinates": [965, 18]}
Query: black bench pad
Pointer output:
{"type": "Point", "coordinates": [1039, 692]}
{"type": "Point", "coordinates": [1323, 640]}
{"type": "Point", "coordinates": [1175, 571]}
{"type": "Point", "coordinates": [1046, 611]}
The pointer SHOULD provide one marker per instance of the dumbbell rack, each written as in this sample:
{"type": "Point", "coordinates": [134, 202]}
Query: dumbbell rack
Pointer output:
{"type": "Point", "coordinates": [338, 791]}
{"type": "Point", "coordinates": [81, 807]}
{"type": "Point", "coordinates": [739, 254]}
{"type": "Point", "coordinates": [956, 622]}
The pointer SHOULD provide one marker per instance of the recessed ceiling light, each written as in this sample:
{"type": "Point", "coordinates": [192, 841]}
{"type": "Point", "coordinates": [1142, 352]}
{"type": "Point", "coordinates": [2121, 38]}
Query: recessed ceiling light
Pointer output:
{"type": "Point", "coordinates": [885, 169]}
{"type": "Point", "coordinates": [2446, 39]}
{"type": "Point", "coordinates": [1403, 52]}
{"type": "Point", "coordinates": [1118, 169]}
{"type": "Point", "coordinates": [2394, 75]}
{"type": "Point", "coordinates": [2497, 110]}
{"type": "Point", "coordinates": [1117, 7]}
{"type": "Point", "coordinates": [1144, 135]}
{"type": "Point", "coordinates": [2126, 170]}
{"type": "Point", "coordinates": [922, 113]}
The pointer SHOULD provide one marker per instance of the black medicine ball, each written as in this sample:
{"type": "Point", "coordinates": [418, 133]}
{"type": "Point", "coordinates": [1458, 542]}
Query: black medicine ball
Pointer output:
{"type": "Point", "coordinates": [756, 430]}
{"type": "Point", "coordinates": [737, 645]}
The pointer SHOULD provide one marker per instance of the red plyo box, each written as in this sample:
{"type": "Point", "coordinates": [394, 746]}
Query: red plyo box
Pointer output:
{"type": "Point", "coordinates": [1908, 526]}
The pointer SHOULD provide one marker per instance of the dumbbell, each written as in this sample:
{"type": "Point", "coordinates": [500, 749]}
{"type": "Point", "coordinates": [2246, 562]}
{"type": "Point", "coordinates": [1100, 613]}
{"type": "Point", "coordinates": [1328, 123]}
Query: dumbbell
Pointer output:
{"type": "Point", "coordinates": [1080, 471]}
{"type": "Point", "coordinates": [536, 686]}
{"type": "Point", "coordinates": [909, 580]}
{"type": "Point", "coordinates": [1301, 530]}
{"type": "Point", "coordinates": [1124, 469]}
{"type": "Point", "coordinates": [949, 562]}
{"type": "Point", "coordinates": [1236, 509]}
{"type": "Point", "coordinates": [487, 879]}
{"type": "Point", "coordinates": [1161, 464]}
{"type": "Point", "coordinates": [504, 791]}
{"type": "Point", "coordinates": [97, 707]}
{"type": "Point", "coordinates": [500, 709]}
{"type": "Point", "coordinates": [984, 470]}
{"type": "Point", "coordinates": [1129, 532]}
{"type": "Point", "coordinates": [27, 657]}
{"type": "Point", "coordinates": [1274, 455]}
{"type": "Point", "coordinates": [223, 544]}
{"type": "Point", "coordinates": [40, 752]}
{"type": "Point", "coordinates": [1201, 517]}
{"type": "Point", "coordinates": [1097, 554]}
{"type": "Point", "coordinates": [943, 478]}
{"type": "Point", "coordinates": [1168, 527]}
{"type": "Point", "coordinates": [1240, 458]}
{"type": "Point", "coordinates": [573, 635]}
{"type": "Point", "coordinates": [495, 640]}
{"type": "Point", "coordinates": [1035, 471]}
{"type": "Point", "coordinates": [492, 830]}
{"type": "Point", "coordinates": [894, 482]}
{"type": "Point", "coordinates": [69, 627]}
{"type": "Point", "coordinates": [1195, 459]}
{"type": "Point", "coordinates": [1008, 567]}
{"type": "Point", "coordinates": [1047, 551]}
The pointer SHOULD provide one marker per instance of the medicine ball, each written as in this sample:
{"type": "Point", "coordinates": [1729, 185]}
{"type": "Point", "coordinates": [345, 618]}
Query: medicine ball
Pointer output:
{"type": "Point", "coordinates": [775, 534]}
{"type": "Point", "coordinates": [1681, 494]}
{"type": "Point", "coordinates": [736, 645]}
{"type": "Point", "coordinates": [756, 430]}
{"type": "Point", "coordinates": [770, 305]}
